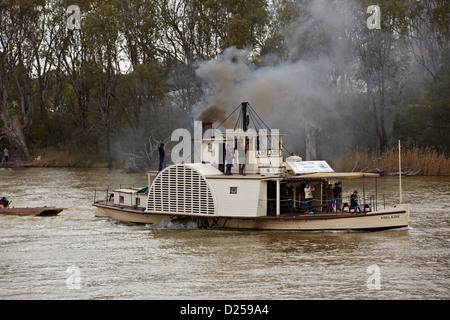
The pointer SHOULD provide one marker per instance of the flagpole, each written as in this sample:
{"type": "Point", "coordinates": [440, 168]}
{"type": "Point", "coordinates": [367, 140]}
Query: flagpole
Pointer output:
{"type": "Point", "coordinates": [400, 169]}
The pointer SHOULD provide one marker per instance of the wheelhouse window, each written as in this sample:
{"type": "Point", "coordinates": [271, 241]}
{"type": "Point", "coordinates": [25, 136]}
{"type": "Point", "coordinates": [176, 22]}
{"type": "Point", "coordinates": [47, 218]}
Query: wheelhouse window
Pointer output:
{"type": "Point", "coordinates": [233, 190]}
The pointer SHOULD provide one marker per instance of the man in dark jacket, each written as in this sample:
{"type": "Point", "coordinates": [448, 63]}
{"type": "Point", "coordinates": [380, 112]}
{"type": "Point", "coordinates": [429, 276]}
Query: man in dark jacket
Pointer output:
{"type": "Point", "coordinates": [354, 201]}
{"type": "Point", "coordinates": [336, 197]}
{"type": "Point", "coordinates": [162, 154]}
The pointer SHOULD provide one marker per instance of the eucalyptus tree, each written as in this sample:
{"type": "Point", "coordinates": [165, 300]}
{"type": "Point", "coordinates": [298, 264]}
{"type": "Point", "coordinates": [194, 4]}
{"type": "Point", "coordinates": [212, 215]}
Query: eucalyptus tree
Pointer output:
{"type": "Point", "coordinates": [429, 33]}
{"type": "Point", "coordinates": [18, 45]}
{"type": "Point", "coordinates": [199, 30]}
{"type": "Point", "coordinates": [383, 63]}
{"type": "Point", "coordinates": [425, 120]}
{"type": "Point", "coordinates": [102, 49]}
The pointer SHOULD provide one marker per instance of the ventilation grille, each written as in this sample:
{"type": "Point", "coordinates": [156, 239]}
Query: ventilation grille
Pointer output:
{"type": "Point", "coordinates": [180, 189]}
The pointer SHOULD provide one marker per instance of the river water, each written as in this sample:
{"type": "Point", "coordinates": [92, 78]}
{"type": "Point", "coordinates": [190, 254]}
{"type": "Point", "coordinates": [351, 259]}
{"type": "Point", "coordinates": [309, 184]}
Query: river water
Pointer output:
{"type": "Point", "coordinates": [76, 255]}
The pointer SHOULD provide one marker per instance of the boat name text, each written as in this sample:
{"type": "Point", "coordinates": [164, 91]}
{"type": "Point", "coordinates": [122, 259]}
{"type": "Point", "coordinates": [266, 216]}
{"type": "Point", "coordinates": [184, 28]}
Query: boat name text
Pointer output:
{"type": "Point", "coordinates": [397, 216]}
{"type": "Point", "coordinates": [265, 153]}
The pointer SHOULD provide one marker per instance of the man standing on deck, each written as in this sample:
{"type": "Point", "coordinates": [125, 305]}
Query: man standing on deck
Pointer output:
{"type": "Point", "coordinates": [308, 197]}
{"type": "Point", "coordinates": [354, 202]}
{"type": "Point", "coordinates": [336, 196]}
{"type": "Point", "coordinates": [162, 154]}
{"type": "Point", "coordinates": [228, 159]}
{"type": "Point", "coordinates": [330, 198]}
{"type": "Point", "coordinates": [241, 156]}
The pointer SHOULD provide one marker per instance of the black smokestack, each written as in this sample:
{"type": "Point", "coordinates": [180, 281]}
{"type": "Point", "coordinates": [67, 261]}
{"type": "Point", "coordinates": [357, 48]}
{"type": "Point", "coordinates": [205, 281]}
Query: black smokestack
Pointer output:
{"type": "Point", "coordinates": [245, 118]}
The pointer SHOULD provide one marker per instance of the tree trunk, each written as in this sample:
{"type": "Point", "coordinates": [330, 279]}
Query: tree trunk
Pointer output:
{"type": "Point", "coordinates": [312, 134]}
{"type": "Point", "coordinates": [378, 120]}
{"type": "Point", "coordinates": [13, 130]}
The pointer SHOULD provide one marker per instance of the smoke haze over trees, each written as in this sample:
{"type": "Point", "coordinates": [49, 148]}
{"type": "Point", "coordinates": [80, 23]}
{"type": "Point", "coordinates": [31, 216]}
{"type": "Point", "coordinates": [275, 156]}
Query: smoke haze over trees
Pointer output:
{"type": "Point", "coordinates": [136, 70]}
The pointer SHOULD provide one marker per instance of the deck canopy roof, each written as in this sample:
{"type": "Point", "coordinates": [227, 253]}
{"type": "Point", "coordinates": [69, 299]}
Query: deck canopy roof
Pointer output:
{"type": "Point", "coordinates": [331, 176]}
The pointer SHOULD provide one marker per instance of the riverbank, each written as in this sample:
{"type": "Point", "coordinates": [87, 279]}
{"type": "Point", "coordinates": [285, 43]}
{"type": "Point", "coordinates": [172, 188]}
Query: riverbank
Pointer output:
{"type": "Point", "coordinates": [415, 161]}
{"type": "Point", "coordinates": [44, 164]}
{"type": "Point", "coordinates": [52, 158]}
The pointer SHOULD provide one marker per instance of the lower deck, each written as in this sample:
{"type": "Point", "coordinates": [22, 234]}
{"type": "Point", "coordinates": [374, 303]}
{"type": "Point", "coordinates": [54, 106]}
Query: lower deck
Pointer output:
{"type": "Point", "coordinates": [296, 213]}
{"type": "Point", "coordinates": [385, 219]}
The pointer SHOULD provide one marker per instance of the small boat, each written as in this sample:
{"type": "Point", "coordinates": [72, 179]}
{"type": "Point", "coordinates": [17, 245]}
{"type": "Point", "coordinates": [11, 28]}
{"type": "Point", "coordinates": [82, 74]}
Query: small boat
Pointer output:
{"type": "Point", "coordinates": [266, 194]}
{"type": "Point", "coordinates": [37, 211]}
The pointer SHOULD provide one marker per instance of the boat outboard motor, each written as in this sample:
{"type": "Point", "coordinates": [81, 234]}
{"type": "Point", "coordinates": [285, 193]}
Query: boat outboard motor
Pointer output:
{"type": "Point", "coordinates": [4, 202]}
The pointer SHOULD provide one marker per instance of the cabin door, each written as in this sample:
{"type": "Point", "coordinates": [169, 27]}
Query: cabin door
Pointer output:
{"type": "Point", "coordinates": [271, 198]}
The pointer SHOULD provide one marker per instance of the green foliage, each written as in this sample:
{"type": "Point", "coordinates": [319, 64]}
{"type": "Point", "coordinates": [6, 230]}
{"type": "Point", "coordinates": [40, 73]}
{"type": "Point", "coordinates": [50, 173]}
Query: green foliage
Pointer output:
{"type": "Point", "coordinates": [428, 122]}
{"type": "Point", "coordinates": [129, 73]}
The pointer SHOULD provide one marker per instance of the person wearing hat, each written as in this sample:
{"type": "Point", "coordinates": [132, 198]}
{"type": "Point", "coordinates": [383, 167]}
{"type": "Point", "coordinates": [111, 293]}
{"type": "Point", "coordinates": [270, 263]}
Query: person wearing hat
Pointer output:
{"type": "Point", "coordinates": [354, 201]}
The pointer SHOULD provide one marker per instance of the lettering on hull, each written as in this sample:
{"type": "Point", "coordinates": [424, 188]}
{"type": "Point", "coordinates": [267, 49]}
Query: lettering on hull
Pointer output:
{"type": "Point", "coordinates": [396, 216]}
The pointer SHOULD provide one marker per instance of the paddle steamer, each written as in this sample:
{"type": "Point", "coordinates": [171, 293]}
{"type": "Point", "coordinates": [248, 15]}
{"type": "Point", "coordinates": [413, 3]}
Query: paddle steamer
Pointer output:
{"type": "Point", "coordinates": [267, 194]}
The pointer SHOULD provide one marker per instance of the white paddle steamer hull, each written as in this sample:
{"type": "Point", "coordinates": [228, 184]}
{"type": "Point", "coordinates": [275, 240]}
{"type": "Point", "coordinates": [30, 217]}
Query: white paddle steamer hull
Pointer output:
{"type": "Point", "coordinates": [386, 219]}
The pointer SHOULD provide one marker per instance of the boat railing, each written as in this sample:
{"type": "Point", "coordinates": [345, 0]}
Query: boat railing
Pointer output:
{"type": "Point", "coordinates": [107, 197]}
{"type": "Point", "coordinates": [99, 198]}
{"type": "Point", "coordinates": [320, 206]}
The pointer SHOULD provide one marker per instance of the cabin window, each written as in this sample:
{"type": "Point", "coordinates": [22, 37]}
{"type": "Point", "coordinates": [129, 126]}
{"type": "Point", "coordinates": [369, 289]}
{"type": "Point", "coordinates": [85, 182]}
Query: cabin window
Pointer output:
{"type": "Point", "coordinates": [138, 201]}
{"type": "Point", "coordinates": [233, 190]}
{"type": "Point", "coordinates": [121, 199]}
{"type": "Point", "coordinates": [210, 147]}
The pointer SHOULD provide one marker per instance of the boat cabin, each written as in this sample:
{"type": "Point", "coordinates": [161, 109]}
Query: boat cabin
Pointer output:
{"type": "Point", "coordinates": [260, 152]}
{"type": "Point", "coordinates": [259, 149]}
{"type": "Point", "coordinates": [129, 197]}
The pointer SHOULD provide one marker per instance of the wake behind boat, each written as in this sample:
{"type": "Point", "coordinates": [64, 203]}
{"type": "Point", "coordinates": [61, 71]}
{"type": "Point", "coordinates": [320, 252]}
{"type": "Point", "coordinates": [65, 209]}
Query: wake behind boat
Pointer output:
{"type": "Point", "coordinates": [266, 192]}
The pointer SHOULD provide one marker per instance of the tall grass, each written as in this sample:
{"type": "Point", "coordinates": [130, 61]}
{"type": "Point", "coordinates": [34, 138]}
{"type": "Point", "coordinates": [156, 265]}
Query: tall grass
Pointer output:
{"type": "Point", "coordinates": [415, 161]}
{"type": "Point", "coordinates": [50, 157]}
